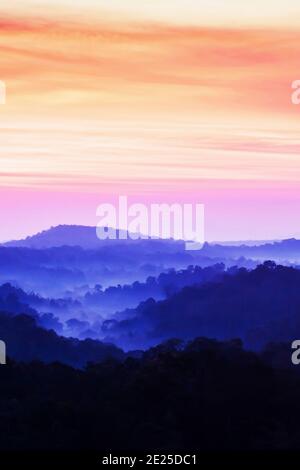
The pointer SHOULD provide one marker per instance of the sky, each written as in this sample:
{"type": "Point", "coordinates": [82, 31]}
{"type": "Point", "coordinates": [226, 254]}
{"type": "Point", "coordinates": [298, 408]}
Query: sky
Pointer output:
{"type": "Point", "coordinates": [162, 101]}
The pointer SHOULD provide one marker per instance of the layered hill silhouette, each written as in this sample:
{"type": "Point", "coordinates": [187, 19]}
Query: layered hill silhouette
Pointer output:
{"type": "Point", "coordinates": [258, 306]}
{"type": "Point", "coordinates": [285, 250]}
{"type": "Point", "coordinates": [86, 237]}
{"type": "Point", "coordinates": [187, 388]}
{"type": "Point", "coordinates": [81, 314]}
{"type": "Point", "coordinates": [28, 342]}
{"type": "Point", "coordinates": [67, 258]}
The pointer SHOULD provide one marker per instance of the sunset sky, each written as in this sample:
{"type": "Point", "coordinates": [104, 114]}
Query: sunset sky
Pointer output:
{"type": "Point", "coordinates": [163, 101]}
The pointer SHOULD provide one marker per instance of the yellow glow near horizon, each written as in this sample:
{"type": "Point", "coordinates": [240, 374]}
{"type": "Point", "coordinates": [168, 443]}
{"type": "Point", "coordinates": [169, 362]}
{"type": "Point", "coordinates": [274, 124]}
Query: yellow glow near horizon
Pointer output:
{"type": "Point", "coordinates": [233, 13]}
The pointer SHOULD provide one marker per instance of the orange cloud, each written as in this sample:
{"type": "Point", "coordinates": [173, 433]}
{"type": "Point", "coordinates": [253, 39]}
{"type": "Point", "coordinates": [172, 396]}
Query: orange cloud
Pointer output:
{"type": "Point", "coordinates": [138, 65]}
{"type": "Point", "coordinates": [203, 88]}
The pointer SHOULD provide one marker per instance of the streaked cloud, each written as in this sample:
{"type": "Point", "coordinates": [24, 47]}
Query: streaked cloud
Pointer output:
{"type": "Point", "coordinates": [137, 95]}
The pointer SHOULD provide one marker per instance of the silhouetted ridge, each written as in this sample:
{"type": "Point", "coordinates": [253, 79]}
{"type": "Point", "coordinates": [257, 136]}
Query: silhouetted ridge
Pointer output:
{"type": "Point", "coordinates": [27, 342]}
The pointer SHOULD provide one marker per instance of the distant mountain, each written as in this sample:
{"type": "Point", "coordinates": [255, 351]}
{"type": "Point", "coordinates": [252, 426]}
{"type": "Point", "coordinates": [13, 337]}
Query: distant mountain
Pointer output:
{"type": "Point", "coordinates": [244, 242]}
{"type": "Point", "coordinates": [285, 250]}
{"type": "Point", "coordinates": [72, 258]}
{"type": "Point", "coordinates": [86, 237]}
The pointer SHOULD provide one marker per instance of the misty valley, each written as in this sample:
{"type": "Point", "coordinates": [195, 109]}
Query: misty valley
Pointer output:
{"type": "Point", "coordinates": [134, 337]}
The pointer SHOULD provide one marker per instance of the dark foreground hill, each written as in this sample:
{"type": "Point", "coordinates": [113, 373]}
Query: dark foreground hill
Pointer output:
{"type": "Point", "coordinates": [25, 341]}
{"type": "Point", "coordinates": [206, 396]}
